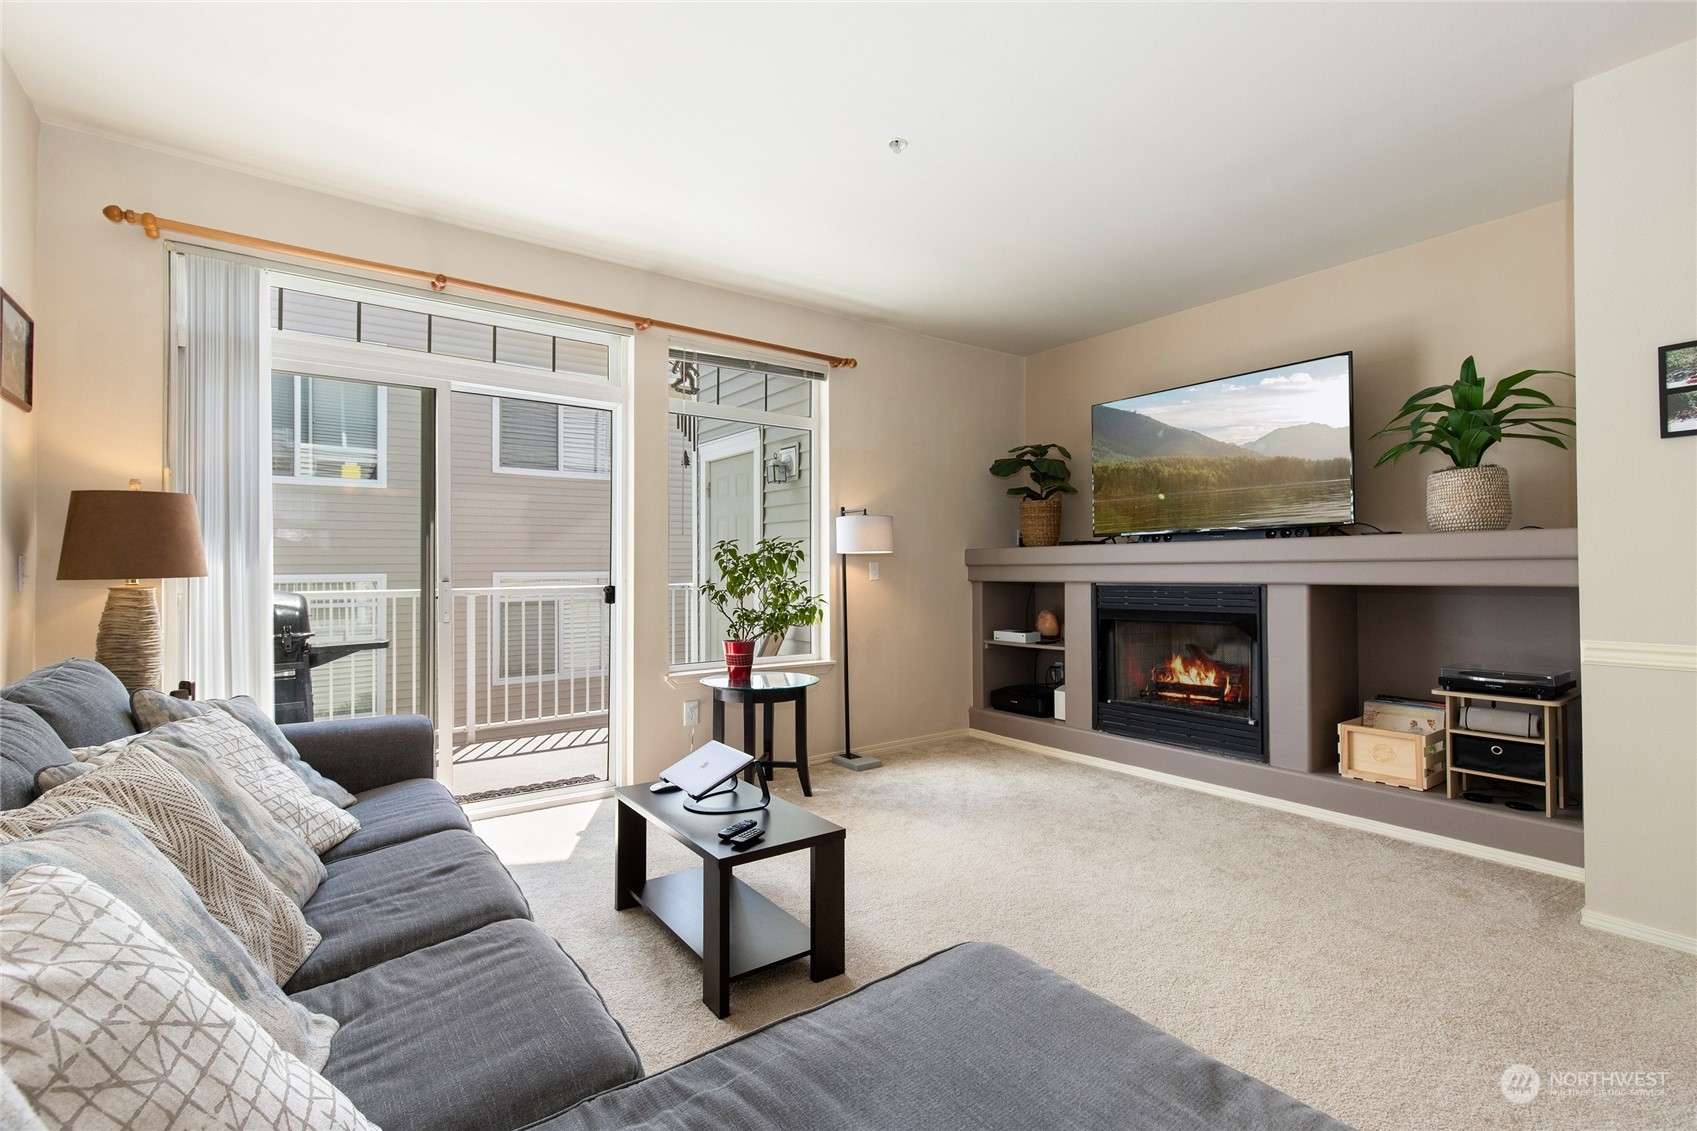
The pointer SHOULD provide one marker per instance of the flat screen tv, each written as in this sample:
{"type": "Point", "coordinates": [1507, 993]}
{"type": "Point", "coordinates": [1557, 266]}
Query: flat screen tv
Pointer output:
{"type": "Point", "coordinates": [1260, 451]}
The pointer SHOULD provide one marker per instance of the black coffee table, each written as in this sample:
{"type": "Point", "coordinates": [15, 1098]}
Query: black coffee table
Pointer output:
{"type": "Point", "coordinates": [734, 928]}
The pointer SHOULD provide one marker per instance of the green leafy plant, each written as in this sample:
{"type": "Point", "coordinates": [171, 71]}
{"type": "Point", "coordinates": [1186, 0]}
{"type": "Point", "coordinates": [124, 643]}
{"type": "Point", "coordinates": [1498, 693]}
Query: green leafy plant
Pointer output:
{"type": "Point", "coordinates": [758, 590]}
{"type": "Point", "coordinates": [1051, 476]}
{"type": "Point", "coordinates": [1474, 420]}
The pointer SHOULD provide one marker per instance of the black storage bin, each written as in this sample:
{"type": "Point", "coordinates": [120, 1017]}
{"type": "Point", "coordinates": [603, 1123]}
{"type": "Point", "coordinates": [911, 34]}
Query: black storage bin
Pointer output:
{"type": "Point", "coordinates": [1498, 756]}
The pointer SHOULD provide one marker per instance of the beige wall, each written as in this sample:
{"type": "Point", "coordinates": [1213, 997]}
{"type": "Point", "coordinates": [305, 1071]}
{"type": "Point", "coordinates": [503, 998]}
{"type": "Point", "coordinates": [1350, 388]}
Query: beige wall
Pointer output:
{"type": "Point", "coordinates": [1635, 267]}
{"type": "Point", "coordinates": [102, 295]}
{"type": "Point", "coordinates": [1500, 291]}
{"type": "Point", "coordinates": [19, 130]}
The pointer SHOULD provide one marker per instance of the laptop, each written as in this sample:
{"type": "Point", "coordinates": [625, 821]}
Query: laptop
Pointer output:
{"type": "Point", "coordinates": [706, 769]}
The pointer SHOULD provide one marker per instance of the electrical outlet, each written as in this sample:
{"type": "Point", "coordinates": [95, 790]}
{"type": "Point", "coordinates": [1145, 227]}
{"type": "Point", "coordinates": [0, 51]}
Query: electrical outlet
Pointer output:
{"type": "Point", "coordinates": [692, 712]}
{"type": "Point", "coordinates": [872, 570]}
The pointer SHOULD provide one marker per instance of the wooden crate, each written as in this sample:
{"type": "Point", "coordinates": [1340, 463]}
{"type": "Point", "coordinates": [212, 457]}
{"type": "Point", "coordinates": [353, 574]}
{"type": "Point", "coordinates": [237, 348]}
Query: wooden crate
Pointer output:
{"type": "Point", "coordinates": [1413, 761]}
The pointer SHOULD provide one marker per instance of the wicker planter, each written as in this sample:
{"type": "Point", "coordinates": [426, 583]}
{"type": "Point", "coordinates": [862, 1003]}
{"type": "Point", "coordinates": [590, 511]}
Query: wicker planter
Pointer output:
{"type": "Point", "coordinates": [1468, 498]}
{"type": "Point", "coordinates": [1040, 521]}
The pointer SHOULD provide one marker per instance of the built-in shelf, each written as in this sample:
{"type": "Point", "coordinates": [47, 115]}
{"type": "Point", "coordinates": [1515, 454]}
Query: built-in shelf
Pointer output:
{"type": "Point", "coordinates": [1347, 618]}
{"type": "Point", "coordinates": [1041, 645]}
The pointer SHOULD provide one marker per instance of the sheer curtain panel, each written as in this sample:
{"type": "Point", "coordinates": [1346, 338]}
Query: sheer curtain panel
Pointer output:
{"type": "Point", "coordinates": [219, 424]}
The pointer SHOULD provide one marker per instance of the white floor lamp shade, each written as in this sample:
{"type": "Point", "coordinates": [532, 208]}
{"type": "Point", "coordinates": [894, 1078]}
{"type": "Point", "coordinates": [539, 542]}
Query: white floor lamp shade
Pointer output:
{"type": "Point", "coordinates": [858, 533]}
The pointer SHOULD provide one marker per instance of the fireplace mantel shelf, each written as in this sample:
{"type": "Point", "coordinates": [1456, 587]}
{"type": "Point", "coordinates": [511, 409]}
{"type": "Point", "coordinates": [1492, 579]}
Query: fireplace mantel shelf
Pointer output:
{"type": "Point", "coordinates": [1508, 557]}
{"type": "Point", "coordinates": [1345, 618]}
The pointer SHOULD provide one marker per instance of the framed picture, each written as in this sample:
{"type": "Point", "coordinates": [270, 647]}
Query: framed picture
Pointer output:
{"type": "Point", "coordinates": [17, 354]}
{"type": "Point", "coordinates": [1677, 383]}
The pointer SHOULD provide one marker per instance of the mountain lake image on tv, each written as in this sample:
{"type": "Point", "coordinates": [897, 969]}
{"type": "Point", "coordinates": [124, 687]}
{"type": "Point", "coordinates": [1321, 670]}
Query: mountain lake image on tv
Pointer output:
{"type": "Point", "coordinates": [1265, 449]}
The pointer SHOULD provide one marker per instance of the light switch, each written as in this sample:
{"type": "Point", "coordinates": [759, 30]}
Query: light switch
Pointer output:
{"type": "Point", "coordinates": [872, 570]}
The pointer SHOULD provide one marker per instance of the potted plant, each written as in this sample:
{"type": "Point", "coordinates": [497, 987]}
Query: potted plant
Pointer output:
{"type": "Point", "coordinates": [1471, 495]}
{"type": "Point", "coordinates": [759, 595]}
{"type": "Point", "coordinates": [1040, 504]}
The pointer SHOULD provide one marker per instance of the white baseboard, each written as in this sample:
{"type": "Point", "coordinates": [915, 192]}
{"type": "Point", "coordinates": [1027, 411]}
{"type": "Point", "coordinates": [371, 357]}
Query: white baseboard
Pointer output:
{"type": "Point", "coordinates": [1395, 832]}
{"type": "Point", "coordinates": [893, 744]}
{"type": "Point", "coordinates": [1615, 925]}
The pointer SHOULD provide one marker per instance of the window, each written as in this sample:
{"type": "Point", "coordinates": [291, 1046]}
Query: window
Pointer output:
{"type": "Point", "coordinates": [542, 438]}
{"type": "Point", "coordinates": [323, 428]}
{"type": "Point", "coordinates": [741, 467]}
{"type": "Point", "coordinates": [554, 626]}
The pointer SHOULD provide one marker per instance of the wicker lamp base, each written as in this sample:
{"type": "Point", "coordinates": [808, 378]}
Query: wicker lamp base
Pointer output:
{"type": "Point", "coordinates": [1468, 498]}
{"type": "Point", "coordinates": [129, 642]}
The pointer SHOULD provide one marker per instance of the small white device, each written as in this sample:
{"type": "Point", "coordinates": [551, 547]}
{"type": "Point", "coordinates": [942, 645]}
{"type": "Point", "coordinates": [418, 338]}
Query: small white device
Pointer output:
{"type": "Point", "coordinates": [706, 769]}
{"type": "Point", "coordinates": [1014, 636]}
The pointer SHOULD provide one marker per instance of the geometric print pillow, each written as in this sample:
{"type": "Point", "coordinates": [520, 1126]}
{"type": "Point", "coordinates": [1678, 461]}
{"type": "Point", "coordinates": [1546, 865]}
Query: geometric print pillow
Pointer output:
{"type": "Point", "coordinates": [153, 708]}
{"type": "Point", "coordinates": [106, 1026]}
{"type": "Point", "coordinates": [178, 822]}
{"type": "Point", "coordinates": [236, 748]}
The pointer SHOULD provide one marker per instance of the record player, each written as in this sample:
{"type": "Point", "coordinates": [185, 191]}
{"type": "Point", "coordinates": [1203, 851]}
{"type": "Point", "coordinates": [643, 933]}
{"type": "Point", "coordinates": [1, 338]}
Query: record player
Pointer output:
{"type": "Point", "coordinates": [1478, 680]}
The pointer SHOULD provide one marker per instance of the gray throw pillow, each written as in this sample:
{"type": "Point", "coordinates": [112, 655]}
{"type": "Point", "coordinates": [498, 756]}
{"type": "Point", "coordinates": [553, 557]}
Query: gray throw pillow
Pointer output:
{"type": "Point", "coordinates": [155, 708]}
{"type": "Point", "coordinates": [286, 859]}
{"type": "Point", "coordinates": [81, 700]}
{"type": "Point", "coordinates": [106, 847]}
{"type": "Point", "coordinates": [167, 809]}
{"type": "Point", "coordinates": [27, 747]}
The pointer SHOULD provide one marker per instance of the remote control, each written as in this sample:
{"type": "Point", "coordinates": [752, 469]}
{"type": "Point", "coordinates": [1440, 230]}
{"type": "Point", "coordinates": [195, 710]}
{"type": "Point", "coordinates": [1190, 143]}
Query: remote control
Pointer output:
{"type": "Point", "coordinates": [746, 838]}
{"type": "Point", "coordinates": [730, 831]}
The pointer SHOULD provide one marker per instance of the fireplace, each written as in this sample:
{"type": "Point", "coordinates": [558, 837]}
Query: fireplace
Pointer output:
{"type": "Point", "coordinates": [1182, 665]}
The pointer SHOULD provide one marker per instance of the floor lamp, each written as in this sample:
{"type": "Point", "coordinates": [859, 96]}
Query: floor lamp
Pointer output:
{"type": "Point", "coordinates": [131, 534]}
{"type": "Point", "coordinates": [858, 533]}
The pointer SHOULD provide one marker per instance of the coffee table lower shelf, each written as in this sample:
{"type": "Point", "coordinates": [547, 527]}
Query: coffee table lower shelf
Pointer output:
{"type": "Point", "coordinates": [762, 933]}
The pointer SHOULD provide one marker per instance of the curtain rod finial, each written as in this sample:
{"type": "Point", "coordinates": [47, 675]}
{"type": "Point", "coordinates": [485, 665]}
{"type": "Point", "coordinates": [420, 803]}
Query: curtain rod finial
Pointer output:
{"type": "Point", "coordinates": [844, 363]}
{"type": "Point", "coordinates": [148, 221]}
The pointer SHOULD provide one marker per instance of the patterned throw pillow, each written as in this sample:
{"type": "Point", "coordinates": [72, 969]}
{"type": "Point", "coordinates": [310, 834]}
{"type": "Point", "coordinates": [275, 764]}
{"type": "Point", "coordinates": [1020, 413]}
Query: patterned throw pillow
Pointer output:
{"type": "Point", "coordinates": [292, 805]}
{"type": "Point", "coordinates": [155, 708]}
{"type": "Point", "coordinates": [15, 1112]}
{"type": "Point", "coordinates": [286, 859]}
{"type": "Point", "coordinates": [105, 847]}
{"type": "Point", "coordinates": [107, 1025]}
{"type": "Point", "coordinates": [177, 821]}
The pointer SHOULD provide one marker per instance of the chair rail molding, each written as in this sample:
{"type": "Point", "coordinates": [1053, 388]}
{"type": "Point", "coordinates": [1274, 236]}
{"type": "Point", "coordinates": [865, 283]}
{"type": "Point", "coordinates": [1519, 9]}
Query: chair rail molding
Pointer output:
{"type": "Point", "coordinates": [1631, 654]}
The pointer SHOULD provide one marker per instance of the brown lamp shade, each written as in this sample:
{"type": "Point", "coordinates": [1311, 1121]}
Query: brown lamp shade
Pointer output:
{"type": "Point", "coordinates": [123, 534]}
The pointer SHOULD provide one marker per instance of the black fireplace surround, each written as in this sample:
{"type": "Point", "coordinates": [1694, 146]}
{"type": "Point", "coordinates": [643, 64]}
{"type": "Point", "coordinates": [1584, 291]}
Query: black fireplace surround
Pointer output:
{"type": "Point", "coordinates": [1182, 665]}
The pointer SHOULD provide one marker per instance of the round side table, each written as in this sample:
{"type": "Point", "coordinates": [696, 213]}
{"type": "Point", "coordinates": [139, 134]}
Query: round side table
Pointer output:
{"type": "Point", "coordinates": [765, 689]}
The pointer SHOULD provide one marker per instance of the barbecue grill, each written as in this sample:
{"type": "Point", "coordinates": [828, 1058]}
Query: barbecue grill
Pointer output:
{"type": "Point", "coordinates": [294, 655]}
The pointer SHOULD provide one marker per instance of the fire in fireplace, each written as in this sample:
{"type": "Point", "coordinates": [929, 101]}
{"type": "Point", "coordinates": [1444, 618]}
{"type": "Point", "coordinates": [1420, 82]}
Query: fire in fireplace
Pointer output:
{"type": "Point", "coordinates": [1181, 665]}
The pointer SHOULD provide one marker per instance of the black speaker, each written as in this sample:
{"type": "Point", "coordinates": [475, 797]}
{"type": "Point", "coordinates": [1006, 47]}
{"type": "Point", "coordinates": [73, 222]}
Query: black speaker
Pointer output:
{"type": "Point", "coordinates": [1025, 699]}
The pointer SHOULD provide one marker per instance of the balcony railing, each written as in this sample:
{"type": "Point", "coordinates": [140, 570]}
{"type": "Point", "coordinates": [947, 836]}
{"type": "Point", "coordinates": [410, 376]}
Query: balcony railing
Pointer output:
{"type": "Point", "coordinates": [523, 654]}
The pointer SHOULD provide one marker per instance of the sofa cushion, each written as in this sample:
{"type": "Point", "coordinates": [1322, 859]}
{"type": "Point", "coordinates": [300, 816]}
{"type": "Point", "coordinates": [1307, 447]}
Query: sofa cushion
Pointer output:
{"type": "Point", "coordinates": [27, 747]}
{"type": "Point", "coordinates": [383, 904]}
{"type": "Point", "coordinates": [106, 847]}
{"type": "Point", "coordinates": [974, 1037]}
{"type": "Point", "coordinates": [107, 1025]}
{"type": "Point", "coordinates": [166, 808]}
{"type": "Point", "coordinates": [406, 810]}
{"type": "Point", "coordinates": [85, 704]}
{"type": "Point", "coordinates": [286, 859]}
{"type": "Point", "coordinates": [155, 708]}
{"type": "Point", "coordinates": [491, 1030]}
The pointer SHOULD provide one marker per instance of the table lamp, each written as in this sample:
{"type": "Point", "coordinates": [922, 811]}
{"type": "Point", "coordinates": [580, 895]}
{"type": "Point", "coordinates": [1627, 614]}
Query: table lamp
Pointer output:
{"type": "Point", "coordinates": [858, 533]}
{"type": "Point", "coordinates": [131, 534]}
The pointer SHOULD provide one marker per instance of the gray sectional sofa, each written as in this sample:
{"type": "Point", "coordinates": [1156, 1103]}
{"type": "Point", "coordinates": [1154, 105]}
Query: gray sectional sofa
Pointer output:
{"type": "Point", "coordinates": [458, 1012]}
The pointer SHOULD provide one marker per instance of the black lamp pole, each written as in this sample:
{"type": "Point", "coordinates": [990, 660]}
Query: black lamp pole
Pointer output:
{"type": "Point", "coordinates": [848, 757]}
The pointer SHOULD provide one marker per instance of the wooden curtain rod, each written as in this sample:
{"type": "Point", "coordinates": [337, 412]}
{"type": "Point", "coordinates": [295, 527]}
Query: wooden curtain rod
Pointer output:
{"type": "Point", "coordinates": [153, 225]}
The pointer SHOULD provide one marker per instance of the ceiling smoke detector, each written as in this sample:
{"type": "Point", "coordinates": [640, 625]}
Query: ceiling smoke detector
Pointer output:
{"type": "Point", "coordinates": [897, 144]}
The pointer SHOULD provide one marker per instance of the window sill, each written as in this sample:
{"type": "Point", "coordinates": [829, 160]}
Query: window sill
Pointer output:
{"type": "Point", "coordinates": [692, 677]}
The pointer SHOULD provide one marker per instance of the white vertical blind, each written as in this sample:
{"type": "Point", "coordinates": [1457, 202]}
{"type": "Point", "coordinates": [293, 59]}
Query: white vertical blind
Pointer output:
{"type": "Point", "coordinates": [220, 401]}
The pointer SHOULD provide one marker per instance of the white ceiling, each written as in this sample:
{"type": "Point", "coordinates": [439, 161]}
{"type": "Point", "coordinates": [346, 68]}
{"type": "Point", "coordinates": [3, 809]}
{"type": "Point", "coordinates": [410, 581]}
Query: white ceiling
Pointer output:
{"type": "Point", "coordinates": [1074, 167]}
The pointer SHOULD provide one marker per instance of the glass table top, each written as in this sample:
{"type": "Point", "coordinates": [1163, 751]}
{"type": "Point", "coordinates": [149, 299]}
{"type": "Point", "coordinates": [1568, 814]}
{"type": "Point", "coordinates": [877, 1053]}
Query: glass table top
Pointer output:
{"type": "Point", "coordinates": [760, 681]}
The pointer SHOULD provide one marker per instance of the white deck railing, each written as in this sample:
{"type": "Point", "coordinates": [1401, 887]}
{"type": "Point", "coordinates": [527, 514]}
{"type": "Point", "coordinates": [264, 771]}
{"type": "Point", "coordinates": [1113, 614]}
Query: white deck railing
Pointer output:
{"type": "Point", "coordinates": [523, 654]}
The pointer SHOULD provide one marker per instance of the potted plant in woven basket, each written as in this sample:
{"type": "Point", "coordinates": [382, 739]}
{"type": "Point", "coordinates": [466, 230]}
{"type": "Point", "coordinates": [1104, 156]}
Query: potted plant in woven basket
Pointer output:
{"type": "Point", "coordinates": [760, 596]}
{"type": "Point", "coordinates": [1470, 494]}
{"type": "Point", "coordinates": [1040, 504]}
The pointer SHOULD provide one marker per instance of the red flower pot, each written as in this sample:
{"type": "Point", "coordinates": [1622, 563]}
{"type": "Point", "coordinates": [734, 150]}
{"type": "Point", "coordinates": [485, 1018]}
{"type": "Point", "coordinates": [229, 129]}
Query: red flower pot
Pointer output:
{"type": "Point", "coordinates": [739, 658]}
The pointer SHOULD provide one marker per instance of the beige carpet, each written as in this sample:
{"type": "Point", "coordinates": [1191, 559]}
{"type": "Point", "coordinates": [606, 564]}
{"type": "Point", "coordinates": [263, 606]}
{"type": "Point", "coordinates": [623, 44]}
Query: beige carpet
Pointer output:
{"type": "Point", "coordinates": [1387, 984]}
